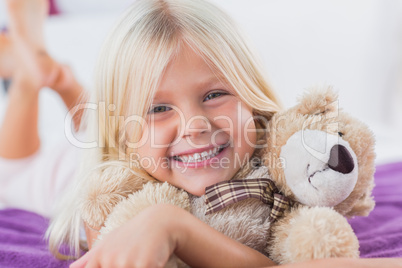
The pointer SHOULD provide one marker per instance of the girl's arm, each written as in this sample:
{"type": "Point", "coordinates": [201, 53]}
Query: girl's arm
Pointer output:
{"type": "Point", "coordinates": [152, 236]}
{"type": "Point", "coordinates": [199, 245]}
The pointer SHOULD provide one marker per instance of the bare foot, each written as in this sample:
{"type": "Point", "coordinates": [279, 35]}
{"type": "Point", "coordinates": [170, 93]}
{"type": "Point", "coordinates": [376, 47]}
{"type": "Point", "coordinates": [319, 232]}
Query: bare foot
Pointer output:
{"type": "Point", "coordinates": [36, 67]}
{"type": "Point", "coordinates": [27, 19]}
{"type": "Point", "coordinates": [6, 57]}
{"type": "Point", "coordinates": [32, 62]}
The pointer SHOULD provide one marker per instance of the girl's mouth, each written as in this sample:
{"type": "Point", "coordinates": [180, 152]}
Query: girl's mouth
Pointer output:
{"type": "Point", "coordinates": [202, 158]}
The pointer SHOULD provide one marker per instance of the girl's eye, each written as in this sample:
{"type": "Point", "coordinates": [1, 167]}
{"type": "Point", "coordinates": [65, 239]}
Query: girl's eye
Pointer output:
{"type": "Point", "coordinates": [214, 95]}
{"type": "Point", "coordinates": [159, 109]}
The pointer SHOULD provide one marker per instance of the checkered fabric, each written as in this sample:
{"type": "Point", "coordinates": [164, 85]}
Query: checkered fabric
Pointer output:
{"type": "Point", "coordinates": [225, 193]}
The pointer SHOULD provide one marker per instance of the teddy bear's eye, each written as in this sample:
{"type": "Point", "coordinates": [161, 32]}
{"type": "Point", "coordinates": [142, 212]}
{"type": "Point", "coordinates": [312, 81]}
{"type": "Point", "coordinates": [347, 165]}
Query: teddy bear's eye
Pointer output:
{"type": "Point", "coordinates": [340, 134]}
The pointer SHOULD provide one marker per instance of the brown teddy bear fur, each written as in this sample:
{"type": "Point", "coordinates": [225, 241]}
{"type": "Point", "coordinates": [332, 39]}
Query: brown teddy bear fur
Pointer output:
{"type": "Point", "coordinates": [303, 233]}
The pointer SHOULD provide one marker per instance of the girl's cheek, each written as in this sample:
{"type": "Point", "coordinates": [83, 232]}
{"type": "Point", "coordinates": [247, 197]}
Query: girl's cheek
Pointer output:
{"type": "Point", "coordinates": [155, 141]}
{"type": "Point", "coordinates": [144, 140]}
{"type": "Point", "coordinates": [250, 133]}
{"type": "Point", "coordinates": [162, 137]}
{"type": "Point", "coordinates": [247, 129]}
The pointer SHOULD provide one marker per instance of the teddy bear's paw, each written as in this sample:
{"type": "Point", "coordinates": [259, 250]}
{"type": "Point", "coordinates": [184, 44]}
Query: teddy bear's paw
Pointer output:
{"type": "Point", "coordinates": [320, 232]}
{"type": "Point", "coordinates": [95, 210]}
{"type": "Point", "coordinates": [104, 189]}
{"type": "Point", "coordinates": [151, 194]}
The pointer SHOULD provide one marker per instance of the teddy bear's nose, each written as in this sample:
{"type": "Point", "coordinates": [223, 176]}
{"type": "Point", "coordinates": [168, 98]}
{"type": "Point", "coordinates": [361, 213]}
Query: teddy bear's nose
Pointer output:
{"type": "Point", "coordinates": [340, 159]}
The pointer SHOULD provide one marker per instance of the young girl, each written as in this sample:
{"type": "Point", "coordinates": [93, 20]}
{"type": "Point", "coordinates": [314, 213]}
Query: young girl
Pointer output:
{"type": "Point", "coordinates": [184, 99]}
{"type": "Point", "coordinates": [185, 96]}
{"type": "Point", "coordinates": [193, 86]}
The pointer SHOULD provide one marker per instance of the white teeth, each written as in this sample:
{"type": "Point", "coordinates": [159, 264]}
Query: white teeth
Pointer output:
{"type": "Point", "coordinates": [198, 157]}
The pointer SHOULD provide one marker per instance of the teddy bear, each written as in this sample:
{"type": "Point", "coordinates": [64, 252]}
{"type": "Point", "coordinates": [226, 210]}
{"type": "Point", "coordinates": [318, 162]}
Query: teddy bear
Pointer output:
{"type": "Point", "coordinates": [315, 170]}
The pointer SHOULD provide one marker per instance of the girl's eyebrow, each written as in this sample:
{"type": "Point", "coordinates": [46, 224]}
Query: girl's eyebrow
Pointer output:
{"type": "Point", "coordinates": [212, 81]}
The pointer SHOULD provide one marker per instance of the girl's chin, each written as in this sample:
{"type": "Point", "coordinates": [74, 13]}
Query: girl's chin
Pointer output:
{"type": "Point", "coordinates": [196, 185]}
{"type": "Point", "coordinates": [197, 191]}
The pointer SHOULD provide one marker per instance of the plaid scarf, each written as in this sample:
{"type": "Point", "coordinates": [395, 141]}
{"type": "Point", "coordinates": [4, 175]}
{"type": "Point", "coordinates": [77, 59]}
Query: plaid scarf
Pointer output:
{"type": "Point", "coordinates": [225, 193]}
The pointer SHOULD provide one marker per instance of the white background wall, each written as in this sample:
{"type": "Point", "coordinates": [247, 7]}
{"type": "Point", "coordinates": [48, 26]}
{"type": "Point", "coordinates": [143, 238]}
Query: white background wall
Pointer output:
{"type": "Point", "coordinates": [355, 46]}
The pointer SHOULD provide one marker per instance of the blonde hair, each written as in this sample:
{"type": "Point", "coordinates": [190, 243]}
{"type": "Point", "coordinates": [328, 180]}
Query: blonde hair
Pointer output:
{"type": "Point", "coordinates": [132, 61]}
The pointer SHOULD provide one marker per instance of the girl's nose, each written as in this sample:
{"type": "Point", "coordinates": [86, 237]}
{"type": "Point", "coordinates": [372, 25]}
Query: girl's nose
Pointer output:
{"type": "Point", "coordinates": [196, 125]}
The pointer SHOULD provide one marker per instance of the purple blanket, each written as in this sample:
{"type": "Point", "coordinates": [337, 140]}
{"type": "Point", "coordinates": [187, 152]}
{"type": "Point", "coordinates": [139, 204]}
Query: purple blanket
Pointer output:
{"type": "Point", "coordinates": [22, 241]}
{"type": "Point", "coordinates": [380, 234]}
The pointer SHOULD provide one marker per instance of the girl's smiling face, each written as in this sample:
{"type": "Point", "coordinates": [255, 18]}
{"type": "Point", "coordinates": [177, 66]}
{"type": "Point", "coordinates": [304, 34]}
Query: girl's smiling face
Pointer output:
{"type": "Point", "coordinates": [198, 131]}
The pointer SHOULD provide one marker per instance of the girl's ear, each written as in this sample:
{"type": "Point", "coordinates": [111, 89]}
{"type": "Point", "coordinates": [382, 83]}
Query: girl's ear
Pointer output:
{"type": "Point", "coordinates": [318, 101]}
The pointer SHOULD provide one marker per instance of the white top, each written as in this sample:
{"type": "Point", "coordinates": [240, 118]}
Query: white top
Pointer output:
{"type": "Point", "coordinates": [35, 182]}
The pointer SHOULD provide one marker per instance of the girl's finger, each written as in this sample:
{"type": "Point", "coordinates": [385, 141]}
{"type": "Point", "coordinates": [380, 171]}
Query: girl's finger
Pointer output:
{"type": "Point", "coordinates": [81, 262]}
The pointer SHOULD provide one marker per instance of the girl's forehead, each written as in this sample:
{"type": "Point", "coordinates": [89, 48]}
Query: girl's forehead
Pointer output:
{"type": "Point", "coordinates": [189, 68]}
{"type": "Point", "coordinates": [196, 56]}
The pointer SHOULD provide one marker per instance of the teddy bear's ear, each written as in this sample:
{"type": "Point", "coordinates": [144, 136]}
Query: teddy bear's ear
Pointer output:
{"type": "Point", "coordinates": [318, 101]}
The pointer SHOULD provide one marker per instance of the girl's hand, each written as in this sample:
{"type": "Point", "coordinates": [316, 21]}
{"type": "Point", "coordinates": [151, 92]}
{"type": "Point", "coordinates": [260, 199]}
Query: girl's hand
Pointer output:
{"type": "Point", "coordinates": [147, 240]}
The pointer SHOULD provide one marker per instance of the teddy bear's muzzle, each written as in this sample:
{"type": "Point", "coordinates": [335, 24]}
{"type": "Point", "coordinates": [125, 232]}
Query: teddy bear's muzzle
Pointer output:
{"type": "Point", "coordinates": [341, 160]}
